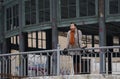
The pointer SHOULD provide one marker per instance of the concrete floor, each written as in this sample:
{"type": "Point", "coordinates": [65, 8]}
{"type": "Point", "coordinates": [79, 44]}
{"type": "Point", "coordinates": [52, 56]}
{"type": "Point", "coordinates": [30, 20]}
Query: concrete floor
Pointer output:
{"type": "Point", "coordinates": [89, 76]}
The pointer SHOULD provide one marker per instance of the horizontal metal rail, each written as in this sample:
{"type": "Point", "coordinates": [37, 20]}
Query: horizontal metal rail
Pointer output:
{"type": "Point", "coordinates": [54, 50]}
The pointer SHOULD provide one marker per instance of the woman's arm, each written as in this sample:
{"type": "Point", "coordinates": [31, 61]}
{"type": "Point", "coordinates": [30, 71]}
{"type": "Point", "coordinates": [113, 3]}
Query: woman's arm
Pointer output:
{"type": "Point", "coordinates": [80, 37]}
{"type": "Point", "coordinates": [68, 37]}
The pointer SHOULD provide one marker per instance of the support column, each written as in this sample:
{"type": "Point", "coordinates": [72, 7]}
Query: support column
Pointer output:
{"type": "Point", "coordinates": [54, 32]}
{"type": "Point", "coordinates": [22, 41]}
{"type": "Point", "coordinates": [4, 45]}
{"type": "Point", "coordinates": [23, 58]}
{"type": "Point", "coordinates": [102, 34]}
{"type": "Point", "coordinates": [21, 35]}
{"type": "Point", "coordinates": [5, 65]}
{"type": "Point", "coordinates": [2, 42]}
{"type": "Point", "coordinates": [1, 27]}
{"type": "Point", "coordinates": [54, 25]}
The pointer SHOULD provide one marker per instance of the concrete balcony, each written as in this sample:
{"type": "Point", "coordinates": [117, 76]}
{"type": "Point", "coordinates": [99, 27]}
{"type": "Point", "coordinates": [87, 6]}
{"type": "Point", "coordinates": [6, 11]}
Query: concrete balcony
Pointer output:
{"type": "Point", "coordinates": [90, 76]}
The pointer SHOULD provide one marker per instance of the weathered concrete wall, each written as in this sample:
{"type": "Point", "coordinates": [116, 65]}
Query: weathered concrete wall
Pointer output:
{"type": "Point", "coordinates": [97, 76]}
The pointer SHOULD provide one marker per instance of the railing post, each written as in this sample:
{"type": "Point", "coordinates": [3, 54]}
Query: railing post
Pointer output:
{"type": "Point", "coordinates": [58, 60]}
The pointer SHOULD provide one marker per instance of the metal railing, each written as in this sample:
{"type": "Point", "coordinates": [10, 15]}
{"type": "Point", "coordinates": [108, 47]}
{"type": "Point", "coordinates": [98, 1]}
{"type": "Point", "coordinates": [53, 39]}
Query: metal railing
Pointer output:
{"type": "Point", "coordinates": [60, 62]}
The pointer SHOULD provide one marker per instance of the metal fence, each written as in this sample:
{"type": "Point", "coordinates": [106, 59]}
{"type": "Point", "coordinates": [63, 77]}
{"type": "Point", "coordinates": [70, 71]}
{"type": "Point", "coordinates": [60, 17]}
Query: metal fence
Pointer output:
{"type": "Point", "coordinates": [105, 60]}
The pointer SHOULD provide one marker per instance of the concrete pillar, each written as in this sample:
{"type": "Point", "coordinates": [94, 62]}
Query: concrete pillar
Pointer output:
{"type": "Point", "coordinates": [54, 4]}
{"type": "Point", "coordinates": [102, 33]}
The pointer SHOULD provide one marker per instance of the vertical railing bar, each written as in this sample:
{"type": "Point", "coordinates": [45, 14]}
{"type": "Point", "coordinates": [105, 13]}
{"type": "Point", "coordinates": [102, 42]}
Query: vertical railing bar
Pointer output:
{"type": "Point", "coordinates": [0, 67]}
{"type": "Point", "coordinates": [24, 66]}
{"type": "Point", "coordinates": [34, 66]}
{"type": "Point", "coordinates": [63, 70]}
{"type": "Point", "coordinates": [44, 66]}
{"type": "Point", "coordinates": [103, 51]}
{"type": "Point", "coordinates": [40, 62]}
{"type": "Point", "coordinates": [47, 67]}
{"type": "Point", "coordinates": [37, 66]}
{"type": "Point", "coordinates": [8, 71]}
{"type": "Point", "coordinates": [3, 67]}
{"type": "Point", "coordinates": [68, 68]}
{"type": "Point", "coordinates": [54, 70]}
{"type": "Point", "coordinates": [80, 62]}
{"type": "Point", "coordinates": [61, 62]}
{"type": "Point", "coordinates": [10, 64]}
{"type": "Point", "coordinates": [95, 61]}
{"type": "Point", "coordinates": [26, 62]}
{"type": "Point", "coordinates": [27, 67]}
{"type": "Point", "coordinates": [76, 64]}
{"type": "Point", "coordinates": [91, 56]}
{"type": "Point", "coordinates": [111, 60]}
{"type": "Point", "coordinates": [88, 63]}
{"type": "Point", "coordinates": [21, 66]}
{"type": "Point", "coordinates": [107, 55]}
{"type": "Point", "coordinates": [15, 65]}
{"type": "Point", "coordinates": [84, 64]}
{"type": "Point", "coordinates": [18, 65]}
{"type": "Point", "coordinates": [6, 67]}
{"type": "Point", "coordinates": [49, 64]}
{"type": "Point", "coordinates": [31, 65]}
{"type": "Point", "coordinates": [51, 70]}
{"type": "Point", "coordinates": [104, 65]}
{"type": "Point", "coordinates": [115, 61]}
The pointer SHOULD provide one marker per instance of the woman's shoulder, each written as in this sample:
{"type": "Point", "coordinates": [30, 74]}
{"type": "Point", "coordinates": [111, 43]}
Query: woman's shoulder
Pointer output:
{"type": "Point", "coordinates": [79, 31]}
{"type": "Point", "coordinates": [68, 31]}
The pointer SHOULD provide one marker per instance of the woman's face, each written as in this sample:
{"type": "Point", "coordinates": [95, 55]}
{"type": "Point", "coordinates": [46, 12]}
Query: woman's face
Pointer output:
{"type": "Point", "coordinates": [72, 27]}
